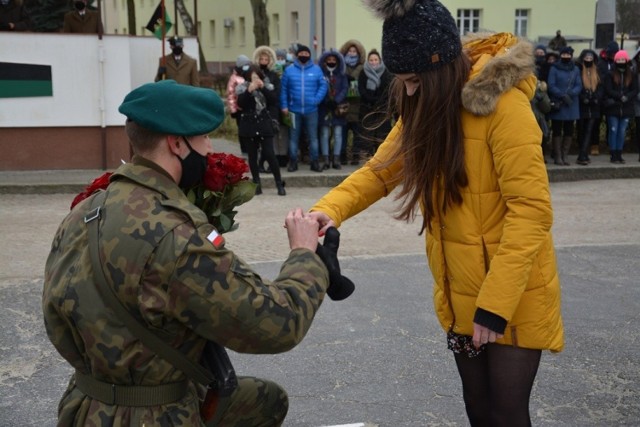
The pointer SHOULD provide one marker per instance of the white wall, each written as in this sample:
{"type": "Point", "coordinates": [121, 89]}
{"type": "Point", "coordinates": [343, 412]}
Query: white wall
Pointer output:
{"type": "Point", "coordinates": [79, 85]}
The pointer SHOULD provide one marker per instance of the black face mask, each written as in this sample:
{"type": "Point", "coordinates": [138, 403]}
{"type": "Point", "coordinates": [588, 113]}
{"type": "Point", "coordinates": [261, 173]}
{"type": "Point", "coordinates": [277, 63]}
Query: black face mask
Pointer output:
{"type": "Point", "coordinates": [264, 67]}
{"type": "Point", "coordinates": [565, 60]}
{"type": "Point", "coordinates": [331, 64]}
{"type": "Point", "coordinates": [588, 64]}
{"type": "Point", "coordinates": [540, 60]}
{"type": "Point", "coordinates": [621, 67]}
{"type": "Point", "coordinates": [80, 5]}
{"type": "Point", "coordinates": [177, 51]}
{"type": "Point", "coordinates": [304, 59]}
{"type": "Point", "coordinates": [194, 167]}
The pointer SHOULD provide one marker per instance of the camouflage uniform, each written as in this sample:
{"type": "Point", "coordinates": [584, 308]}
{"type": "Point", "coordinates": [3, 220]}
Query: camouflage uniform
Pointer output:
{"type": "Point", "coordinates": [179, 284]}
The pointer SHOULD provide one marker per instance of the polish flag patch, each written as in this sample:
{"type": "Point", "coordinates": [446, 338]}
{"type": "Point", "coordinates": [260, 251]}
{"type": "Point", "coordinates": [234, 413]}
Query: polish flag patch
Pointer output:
{"type": "Point", "coordinates": [216, 239]}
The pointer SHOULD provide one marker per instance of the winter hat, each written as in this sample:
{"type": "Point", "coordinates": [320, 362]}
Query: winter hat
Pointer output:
{"type": "Point", "coordinates": [541, 47]}
{"type": "Point", "coordinates": [612, 48]}
{"type": "Point", "coordinates": [242, 60]}
{"type": "Point", "coordinates": [621, 54]}
{"type": "Point", "coordinates": [281, 53]}
{"type": "Point", "coordinates": [567, 49]}
{"type": "Point", "coordinates": [417, 35]}
{"type": "Point", "coordinates": [303, 48]}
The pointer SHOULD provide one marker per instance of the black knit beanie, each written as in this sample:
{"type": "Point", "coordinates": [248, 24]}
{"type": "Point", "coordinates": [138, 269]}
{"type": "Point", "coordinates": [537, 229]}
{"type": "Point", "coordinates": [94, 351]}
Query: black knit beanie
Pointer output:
{"type": "Point", "coordinates": [417, 35]}
{"type": "Point", "coordinates": [302, 48]}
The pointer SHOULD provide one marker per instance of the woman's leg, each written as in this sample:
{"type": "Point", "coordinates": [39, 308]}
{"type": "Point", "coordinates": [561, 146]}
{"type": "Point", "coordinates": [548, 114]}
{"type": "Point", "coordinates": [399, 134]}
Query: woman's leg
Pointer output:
{"type": "Point", "coordinates": [612, 135]}
{"type": "Point", "coordinates": [511, 371]}
{"type": "Point", "coordinates": [270, 156]}
{"type": "Point", "coordinates": [556, 141]}
{"type": "Point", "coordinates": [622, 133]}
{"type": "Point", "coordinates": [474, 374]}
{"type": "Point", "coordinates": [252, 152]}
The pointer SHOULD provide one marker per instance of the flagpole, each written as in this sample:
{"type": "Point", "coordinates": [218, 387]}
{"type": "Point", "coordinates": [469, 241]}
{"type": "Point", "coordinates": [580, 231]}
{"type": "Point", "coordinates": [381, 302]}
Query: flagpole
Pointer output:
{"type": "Point", "coordinates": [163, 60]}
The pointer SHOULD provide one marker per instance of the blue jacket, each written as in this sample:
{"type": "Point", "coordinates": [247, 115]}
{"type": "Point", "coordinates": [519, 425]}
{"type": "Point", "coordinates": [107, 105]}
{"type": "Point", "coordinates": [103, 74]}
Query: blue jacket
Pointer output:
{"type": "Point", "coordinates": [564, 79]}
{"type": "Point", "coordinates": [303, 87]}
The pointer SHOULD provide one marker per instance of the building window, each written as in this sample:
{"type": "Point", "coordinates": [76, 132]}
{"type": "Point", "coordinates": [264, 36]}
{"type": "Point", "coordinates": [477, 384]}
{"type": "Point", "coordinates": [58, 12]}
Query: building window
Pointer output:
{"type": "Point", "coordinates": [468, 21]}
{"type": "Point", "coordinates": [243, 31]}
{"type": "Point", "coordinates": [522, 20]}
{"type": "Point", "coordinates": [295, 26]}
{"type": "Point", "coordinates": [275, 27]}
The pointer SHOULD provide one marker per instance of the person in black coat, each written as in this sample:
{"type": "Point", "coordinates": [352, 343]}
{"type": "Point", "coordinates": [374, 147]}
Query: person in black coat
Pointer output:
{"type": "Point", "coordinates": [621, 89]}
{"type": "Point", "coordinates": [373, 85]}
{"type": "Point", "coordinates": [256, 126]}
{"type": "Point", "coordinates": [590, 103]}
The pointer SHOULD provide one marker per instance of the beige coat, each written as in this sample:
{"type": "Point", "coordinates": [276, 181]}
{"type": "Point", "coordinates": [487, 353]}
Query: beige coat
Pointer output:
{"type": "Point", "coordinates": [185, 72]}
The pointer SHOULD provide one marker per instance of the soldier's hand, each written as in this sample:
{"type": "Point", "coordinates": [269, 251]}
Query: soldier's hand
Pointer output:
{"type": "Point", "coordinates": [162, 71]}
{"type": "Point", "coordinates": [302, 230]}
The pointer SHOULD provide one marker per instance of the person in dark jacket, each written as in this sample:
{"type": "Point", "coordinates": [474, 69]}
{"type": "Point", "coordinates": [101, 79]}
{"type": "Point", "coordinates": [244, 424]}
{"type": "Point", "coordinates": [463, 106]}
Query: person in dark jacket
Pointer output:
{"type": "Point", "coordinates": [540, 56]}
{"type": "Point", "coordinates": [605, 65]}
{"type": "Point", "coordinates": [373, 85]}
{"type": "Point", "coordinates": [564, 87]}
{"type": "Point", "coordinates": [354, 56]}
{"type": "Point", "coordinates": [621, 89]}
{"type": "Point", "coordinates": [82, 20]}
{"type": "Point", "coordinates": [256, 99]}
{"type": "Point", "coordinates": [303, 89]}
{"type": "Point", "coordinates": [331, 118]}
{"type": "Point", "coordinates": [590, 102]}
{"type": "Point", "coordinates": [636, 60]}
{"type": "Point", "coordinates": [13, 17]}
{"type": "Point", "coordinates": [265, 57]}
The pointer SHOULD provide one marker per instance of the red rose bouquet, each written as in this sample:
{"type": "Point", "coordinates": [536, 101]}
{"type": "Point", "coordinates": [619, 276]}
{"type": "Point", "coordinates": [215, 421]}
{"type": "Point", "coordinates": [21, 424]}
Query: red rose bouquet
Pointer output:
{"type": "Point", "coordinates": [99, 183]}
{"type": "Point", "coordinates": [224, 187]}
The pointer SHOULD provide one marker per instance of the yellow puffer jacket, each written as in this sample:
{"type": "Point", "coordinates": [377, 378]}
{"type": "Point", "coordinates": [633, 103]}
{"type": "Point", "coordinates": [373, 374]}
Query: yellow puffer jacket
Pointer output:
{"type": "Point", "coordinates": [495, 250]}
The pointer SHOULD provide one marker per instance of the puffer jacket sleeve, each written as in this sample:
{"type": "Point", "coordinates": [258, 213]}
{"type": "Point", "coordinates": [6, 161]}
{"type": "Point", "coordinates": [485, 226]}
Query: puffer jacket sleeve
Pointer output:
{"type": "Point", "coordinates": [365, 186]}
{"type": "Point", "coordinates": [514, 139]}
{"type": "Point", "coordinates": [323, 88]}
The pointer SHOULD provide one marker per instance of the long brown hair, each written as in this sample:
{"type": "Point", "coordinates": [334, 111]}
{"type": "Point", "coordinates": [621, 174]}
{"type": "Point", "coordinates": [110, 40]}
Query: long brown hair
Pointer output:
{"type": "Point", "coordinates": [431, 141]}
{"type": "Point", "coordinates": [618, 76]}
{"type": "Point", "coordinates": [590, 78]}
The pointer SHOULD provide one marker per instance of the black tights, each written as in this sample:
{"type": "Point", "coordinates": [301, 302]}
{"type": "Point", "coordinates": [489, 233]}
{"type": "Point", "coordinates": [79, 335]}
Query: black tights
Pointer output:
{"type": "Point", "coordinates": [497, 384]}
{"type": "Point", "coordinates": [266, 145]}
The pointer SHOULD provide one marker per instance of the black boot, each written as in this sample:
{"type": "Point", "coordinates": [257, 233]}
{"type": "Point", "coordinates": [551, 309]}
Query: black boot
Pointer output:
{"type": "Point", "coordinates": [620, 159]}
{"type": "Point", "coordinates": [280, 187]}
{"type": "Point", "coordinates": [566, 145]}
{"type": "Point", "coordinates": [336, 162]}
{"type": "Point", "coordinates": [325, 166]}
{"type": "Point", "coordinates": [293, 166]}
{"type": "Point", "coordinates": [556, 143]}
{"type": "Point", "coordinates": [315, 166]}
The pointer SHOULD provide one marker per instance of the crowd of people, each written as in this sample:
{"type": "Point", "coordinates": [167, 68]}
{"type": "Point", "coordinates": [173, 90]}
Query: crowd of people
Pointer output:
{"type": "Point", "coordinates": [329, 112]}
{"type": "Point", "coordinates": [576, 95]}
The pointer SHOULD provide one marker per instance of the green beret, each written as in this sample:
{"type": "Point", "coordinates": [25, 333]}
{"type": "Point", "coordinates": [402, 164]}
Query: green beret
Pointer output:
{"type": "Point", "coordinates": [174, 109]}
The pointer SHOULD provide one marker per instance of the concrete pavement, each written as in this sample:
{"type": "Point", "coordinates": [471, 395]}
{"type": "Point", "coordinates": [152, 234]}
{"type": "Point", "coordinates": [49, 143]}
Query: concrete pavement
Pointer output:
{"type": "Point", "coordinates": [378, 357]}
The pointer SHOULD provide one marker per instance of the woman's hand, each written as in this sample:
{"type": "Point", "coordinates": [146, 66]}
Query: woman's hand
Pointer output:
{"type": "Point", "coordinates": [302, 230]}
{"type": "Point", "coordinates": [323, 220]}
{"type": "Point", "coordinates": [483, 335]}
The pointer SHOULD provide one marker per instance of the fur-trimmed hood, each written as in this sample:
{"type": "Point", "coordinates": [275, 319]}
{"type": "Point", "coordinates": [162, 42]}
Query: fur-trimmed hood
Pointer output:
{"type": "Point", "coordinates": [499, 62]}
{"type": "Point", "coordinates": [342, 68]}
{"type": "Point", "coordinates": [265, 49]}
{"type": "Point", "coordinates": [361, 51]}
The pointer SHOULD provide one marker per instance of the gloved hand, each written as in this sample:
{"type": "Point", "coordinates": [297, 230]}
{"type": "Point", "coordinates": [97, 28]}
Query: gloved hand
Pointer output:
{"type": "Point", "coordinates": [567, 100]}
{"type": "Point", "coordinates": [5, 27]}
{"type": "Point", "coordinates": [331, 105]}
{"type": "Point", "coordinates": [162, 71]}
{"type": "Point", "coordinates": [340, 287]}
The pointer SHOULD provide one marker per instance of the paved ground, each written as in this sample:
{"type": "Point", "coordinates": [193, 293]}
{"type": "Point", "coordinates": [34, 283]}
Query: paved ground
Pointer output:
{"type": "Point", "coordinates": [378, 357]}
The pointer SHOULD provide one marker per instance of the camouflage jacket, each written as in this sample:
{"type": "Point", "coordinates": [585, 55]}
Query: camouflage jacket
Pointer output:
{"type": "Point", "coordinates": [180, 284]}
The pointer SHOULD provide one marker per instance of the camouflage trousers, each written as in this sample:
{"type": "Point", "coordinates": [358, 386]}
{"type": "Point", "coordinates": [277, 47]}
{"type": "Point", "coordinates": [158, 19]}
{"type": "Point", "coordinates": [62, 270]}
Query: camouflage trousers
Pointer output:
{"type": "Point", "coordinates": [256, 403]}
